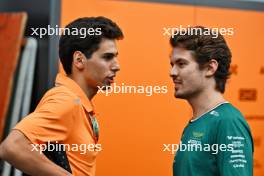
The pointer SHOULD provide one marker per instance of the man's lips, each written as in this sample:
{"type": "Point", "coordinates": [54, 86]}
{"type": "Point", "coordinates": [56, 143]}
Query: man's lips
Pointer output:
{"type": "Point", "coordinates": [177, 83]}
{"type": "Point", "coordinates": [110, 79]}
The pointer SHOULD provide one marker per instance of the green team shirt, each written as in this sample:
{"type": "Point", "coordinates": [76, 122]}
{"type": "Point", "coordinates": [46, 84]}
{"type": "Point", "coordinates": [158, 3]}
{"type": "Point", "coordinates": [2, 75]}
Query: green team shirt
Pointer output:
{"type": "Point", "coordinates": [217, 143]}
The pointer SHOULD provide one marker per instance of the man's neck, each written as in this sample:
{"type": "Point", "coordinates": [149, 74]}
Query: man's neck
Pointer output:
{"type": "Point", "coordinates": [204, 102]}
{"type": "Point", "coordinates": [89, 91]}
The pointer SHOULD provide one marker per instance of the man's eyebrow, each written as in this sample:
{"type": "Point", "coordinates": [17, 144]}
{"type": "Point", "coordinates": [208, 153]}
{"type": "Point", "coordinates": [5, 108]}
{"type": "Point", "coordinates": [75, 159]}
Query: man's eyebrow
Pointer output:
{"type": "Point", "coordinates": [179, 60]}
{"type": "Point", "coordinates": [110, 54]}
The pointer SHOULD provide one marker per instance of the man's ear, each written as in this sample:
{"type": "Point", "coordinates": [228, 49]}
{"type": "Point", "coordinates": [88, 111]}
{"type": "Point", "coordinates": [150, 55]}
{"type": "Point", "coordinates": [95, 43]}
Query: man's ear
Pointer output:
{"type": "Point", "coordinates": [78, 60]}
{"type": "Point", "coordinates": [211, 67]}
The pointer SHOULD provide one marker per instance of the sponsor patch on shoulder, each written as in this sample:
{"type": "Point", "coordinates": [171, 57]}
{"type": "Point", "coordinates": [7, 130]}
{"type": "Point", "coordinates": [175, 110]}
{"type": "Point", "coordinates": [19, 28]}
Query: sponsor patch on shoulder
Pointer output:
{"type": "Point", "coordinates": [214, 113]}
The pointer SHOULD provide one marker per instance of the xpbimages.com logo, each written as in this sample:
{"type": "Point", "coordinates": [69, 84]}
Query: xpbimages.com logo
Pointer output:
{"type": "Point", "coordinates": [129, 89]}
{"type": "Point", "coordinates": [193, 145]}
{"type": "Point", "coordinates": [82, 32]}
{"type": "Point", "coordinates": [214, 32]}
{"type": "Point", "coordinates": [55, 146]}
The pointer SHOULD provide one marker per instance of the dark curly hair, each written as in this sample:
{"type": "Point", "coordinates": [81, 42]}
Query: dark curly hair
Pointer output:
{"type": "Point", "coordinates": [206, 46]}
{"type": "Point", "coordinates": [68, 44]}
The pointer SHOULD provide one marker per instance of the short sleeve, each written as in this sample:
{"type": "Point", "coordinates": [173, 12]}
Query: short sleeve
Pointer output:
{"type": "Point", "coordinates": [235, 158]}
{"type": "Point", "coordinates": [51, 121]}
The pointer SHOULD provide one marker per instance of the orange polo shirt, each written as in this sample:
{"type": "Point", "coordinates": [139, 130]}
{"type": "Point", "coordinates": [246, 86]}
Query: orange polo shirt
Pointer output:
{"type": "Point", "coordinates": [61, 116]}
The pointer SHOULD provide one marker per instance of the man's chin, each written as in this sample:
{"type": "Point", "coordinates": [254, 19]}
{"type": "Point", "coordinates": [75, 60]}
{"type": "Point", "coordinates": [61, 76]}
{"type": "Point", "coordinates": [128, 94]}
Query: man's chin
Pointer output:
{"type": "Point", "coordinates": [179, 95]}
{"type": "Point", "coordinates": [106, 86]}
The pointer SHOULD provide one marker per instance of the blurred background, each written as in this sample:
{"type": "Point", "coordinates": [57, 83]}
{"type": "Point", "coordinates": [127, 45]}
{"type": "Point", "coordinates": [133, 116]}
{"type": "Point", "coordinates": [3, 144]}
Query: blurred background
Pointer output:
{"type": "Point", "coordinates": [133, 127]}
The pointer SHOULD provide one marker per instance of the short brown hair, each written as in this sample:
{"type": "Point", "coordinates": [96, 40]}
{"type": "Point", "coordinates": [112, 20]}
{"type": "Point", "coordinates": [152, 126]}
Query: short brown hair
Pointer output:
{"type": "Point", "coordinates": [206, 47]}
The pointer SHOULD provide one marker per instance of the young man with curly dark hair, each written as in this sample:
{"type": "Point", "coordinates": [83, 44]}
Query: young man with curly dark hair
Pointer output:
{"type": "Point", "coordinates": [217, 140]}
{"type": "Point", "coordinates": [65, 115]}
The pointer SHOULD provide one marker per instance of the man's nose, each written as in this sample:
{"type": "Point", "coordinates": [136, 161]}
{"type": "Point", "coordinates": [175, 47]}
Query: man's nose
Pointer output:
{"type": "Point", "coordinates": [174, 72]}
{"type": "Point", "coordinates": [115, 65]}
